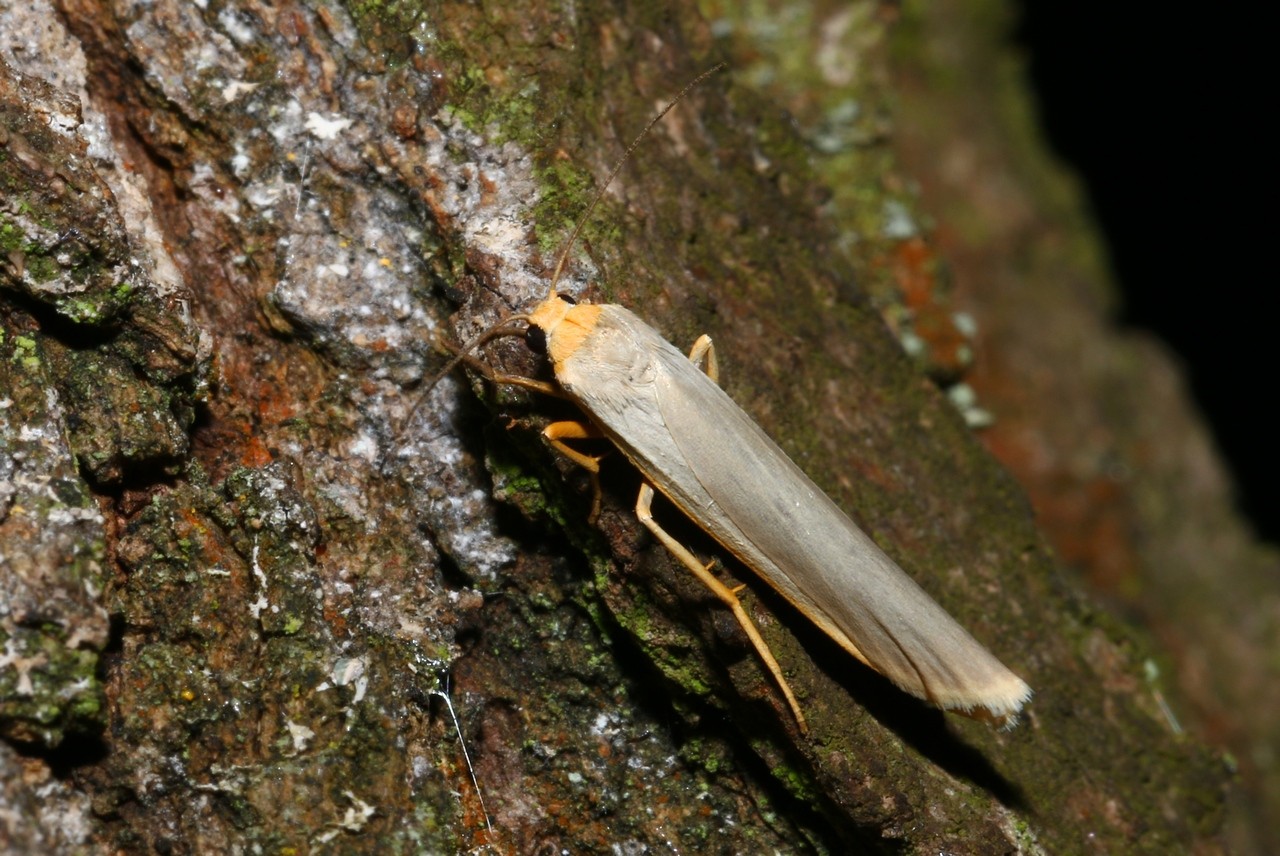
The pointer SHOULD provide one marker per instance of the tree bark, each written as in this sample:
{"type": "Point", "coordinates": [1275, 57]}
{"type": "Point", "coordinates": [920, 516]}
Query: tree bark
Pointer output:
{"type": "Point", "coordinates": [347, 614]}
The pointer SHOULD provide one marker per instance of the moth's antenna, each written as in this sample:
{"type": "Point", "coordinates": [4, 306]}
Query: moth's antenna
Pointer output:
{"type": "Point", "coordinates": [595, 200]}
{"type": "Point", "coordinates": [505, 327]}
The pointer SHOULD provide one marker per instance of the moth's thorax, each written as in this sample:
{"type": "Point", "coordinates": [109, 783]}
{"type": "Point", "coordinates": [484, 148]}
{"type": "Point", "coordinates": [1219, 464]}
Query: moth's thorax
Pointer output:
{"type": "Point", "coordinates": [566, 325]}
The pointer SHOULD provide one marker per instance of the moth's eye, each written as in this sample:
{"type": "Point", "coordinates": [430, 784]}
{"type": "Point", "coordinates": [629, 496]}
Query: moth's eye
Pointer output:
{"type": "Point", "coordinates": [569, 299]}
{"type": "Point", "coordinates": [536, 339]}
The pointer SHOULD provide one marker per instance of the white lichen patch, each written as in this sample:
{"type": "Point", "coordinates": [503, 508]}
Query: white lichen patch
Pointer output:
{"type": "Point", "coordinates": [459, 509]}
{"type": "Point", "coordinates": [965, 400]}
{"type": "Point", "coordinates": [327, 128]}
{"type": "Point", "coordinates": [355, 817]}
{"type": "Point", "coordinates": [897, 222]}
{"type": "Point", "coordinates": [23, 665]}
{"type": "Point", "coordinates": [353, 672]}
{"type": "Point", "coordinates": [33, 41]}
{"type": "Point", "coordinates": [300, 734]}
{"type": "Point", "coordinates": [236, 88]}
{"type": "Point", "coordinates": [259, 603]}
{"type": "Point", "coordinates": [490, 200]}
{"type": "Point", "coordinates": [50, 531]}
{"type": "Point", "coordinates": [179, 49]}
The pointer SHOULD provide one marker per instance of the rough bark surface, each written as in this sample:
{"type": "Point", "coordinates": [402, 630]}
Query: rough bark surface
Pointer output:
{"type": "Point", "coordinates": [258, 596]}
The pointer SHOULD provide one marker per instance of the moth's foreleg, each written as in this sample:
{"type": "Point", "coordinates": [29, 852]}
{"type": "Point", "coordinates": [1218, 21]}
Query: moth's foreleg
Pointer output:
{"type": "Point", "coordinates": [556, 433]}
{"type": "Point", "coordinates": [542, 386]}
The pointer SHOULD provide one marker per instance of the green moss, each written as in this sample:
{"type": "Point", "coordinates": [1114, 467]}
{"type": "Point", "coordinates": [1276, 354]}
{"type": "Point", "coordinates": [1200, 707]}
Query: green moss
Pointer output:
{"type": "Point", "coordinates": [42, 268]}
{"type": "Point", "coordinates": [392, 29]}
{"type": "Point", "coordinates": [682, 670]}
{"type": "Point", "coordinates": [26, 354]}
{"type": "Point", "coordinates": [523, 491]}
{"type": "Point", "coordinates": [88, 309]}
{"type": "Point", "coordinates": [13, 238]}
{"type": "Point", "coordinates": [797, 782]}
{"type": "Point", "coordinates": [48, 689]}
{"type": "Point", "coordinates": [566, 188]}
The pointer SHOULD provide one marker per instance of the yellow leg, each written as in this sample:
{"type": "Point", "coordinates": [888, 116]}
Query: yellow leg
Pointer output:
{"type": "Point", "coordinates": [490, 375]}
{"type": "Point", "coordinates": [726, 595]}
{"type": "Point", "coordinates": [556, 433]}
{"type": "Point", "coordinates": [704, 352]}
{"type": "Point", "coordinates": [541, 386]}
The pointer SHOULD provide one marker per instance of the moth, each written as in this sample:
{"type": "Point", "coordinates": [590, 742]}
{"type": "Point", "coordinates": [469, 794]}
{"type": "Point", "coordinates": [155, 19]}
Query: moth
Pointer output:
{"type": "Point", "coordinates": [666, 413]}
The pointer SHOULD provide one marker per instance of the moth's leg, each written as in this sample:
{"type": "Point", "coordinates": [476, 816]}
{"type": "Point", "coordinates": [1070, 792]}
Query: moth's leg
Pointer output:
{"type": "Point", "coordinates": [490, 375]}
{"type": "Point", "coordinates": [726, 595]}
{"type": "Point", "coordinates": [704, 352]}
{"type": "Point", "coordinates": [542, 386]}
{"type": "Point", "coordinates": [556, 433]}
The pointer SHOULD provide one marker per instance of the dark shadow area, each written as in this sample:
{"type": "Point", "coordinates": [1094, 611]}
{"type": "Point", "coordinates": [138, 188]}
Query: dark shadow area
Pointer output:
{"type": "Point", "coordinates": [77, 750]}
{"type": "Point", "coordinates": [1155, 110]}
{"type": "Point", "coordinates": [924, 727]}
{"type": "Point", "coordinates": [63, 345]}
{"type": "Point", "coordinates": [43, 318]}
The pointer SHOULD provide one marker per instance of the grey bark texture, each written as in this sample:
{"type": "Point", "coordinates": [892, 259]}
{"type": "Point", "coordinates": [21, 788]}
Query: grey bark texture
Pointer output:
{"type": "Point", "coordinates": [262, 593]}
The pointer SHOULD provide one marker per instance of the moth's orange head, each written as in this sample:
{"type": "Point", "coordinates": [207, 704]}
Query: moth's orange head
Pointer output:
{"type": "Point", "coordinates": [559, 325]}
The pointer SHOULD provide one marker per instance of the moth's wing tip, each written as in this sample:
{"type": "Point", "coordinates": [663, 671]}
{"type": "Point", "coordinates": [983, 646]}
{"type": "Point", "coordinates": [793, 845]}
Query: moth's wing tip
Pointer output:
{"type": "Point", "coordinates": [1001, 705]}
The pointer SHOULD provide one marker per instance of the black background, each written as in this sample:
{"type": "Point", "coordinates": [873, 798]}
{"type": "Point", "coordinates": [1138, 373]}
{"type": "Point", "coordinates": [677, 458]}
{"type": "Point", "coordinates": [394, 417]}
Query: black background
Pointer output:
{"type": "Point", "coordinates": [1161, 113]}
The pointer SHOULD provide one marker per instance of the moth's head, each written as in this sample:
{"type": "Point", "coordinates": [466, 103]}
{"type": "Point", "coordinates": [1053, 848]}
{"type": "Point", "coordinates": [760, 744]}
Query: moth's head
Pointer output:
{"type": "Point", "coordinates": [545, 318]}
{"type": "Point", "coordinates": [558, 325]}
